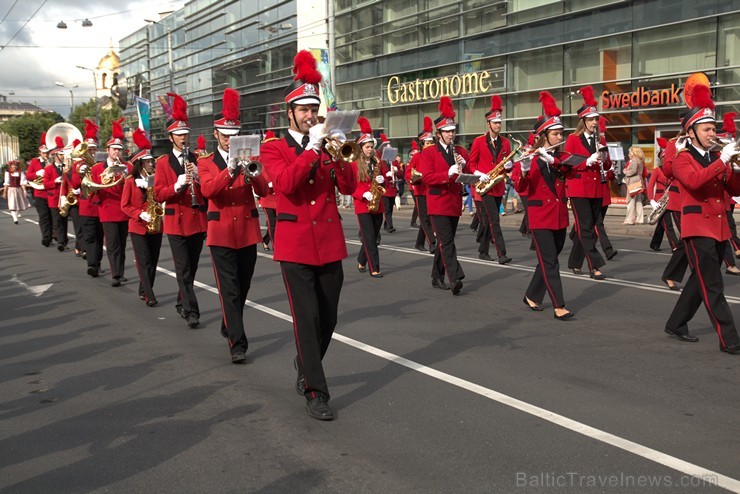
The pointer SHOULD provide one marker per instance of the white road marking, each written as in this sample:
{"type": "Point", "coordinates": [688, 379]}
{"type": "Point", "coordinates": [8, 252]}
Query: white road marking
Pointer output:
{"type": "Point", "coordinates": [35, 290]}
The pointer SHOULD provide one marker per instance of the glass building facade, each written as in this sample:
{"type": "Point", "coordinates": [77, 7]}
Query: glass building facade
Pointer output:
{"type": "Point", "coordinates": [393, 59]}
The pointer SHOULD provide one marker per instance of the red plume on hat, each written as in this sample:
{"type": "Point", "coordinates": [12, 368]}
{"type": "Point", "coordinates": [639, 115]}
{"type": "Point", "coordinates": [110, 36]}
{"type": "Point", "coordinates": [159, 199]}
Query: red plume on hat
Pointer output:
{"type": "Point", "coordinates": [602, 124]}
{"type": "Point", "coordinates": [304, 68]}
{"type": "Point", "coordinates": [43, 139]}
{"type": "Point", "coordinates": [588, 95]}
{"type": "Point", "coordinates": [201, 142]}
{"type": "Point", "coordinates": [230, 109]}
{"type": "Point", "coordinates": [662, 142]}
{"type": "Point", "coordinates": [496, 103]}
{"type": "Point", "coordinates": [383, 138]}
{"type": "Point", "coordinates": [140, 139]}
{"type": "Point", "coordinates": [728, 122]}
{"type": "Point", "coordinates": [428, 124]}
{"type": "Point", "coordinates": [269, 135]}
{"type": "Point", "coordinates": [364, 125]}
{"type": "Point", "coordinates": [117, 129]}
{"type": "Point", "coordinates": [702, 97]}
{"type": "Point", "coordinates": [91, 129]}
{"type": "Point", "coordinates": [445, 107]}
{"type": "Point", "coordinates": [179, 107]}
{"type": "Point", "coordinates": [549, 104]}
{"type": "Point", "coordinates": [414, 146]}
{"type": "Point", "coordinates": [530, 140]}
{"type": "Point", "coordinates": [76, 143]}
{"type": "Point", "coordinates": [58, 142]}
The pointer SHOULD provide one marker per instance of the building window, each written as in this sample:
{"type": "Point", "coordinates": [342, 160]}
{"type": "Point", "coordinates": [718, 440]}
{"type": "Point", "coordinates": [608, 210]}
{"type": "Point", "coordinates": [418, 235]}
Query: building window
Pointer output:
{"type": "Point", "coordinates": [605, 59]}
{"type": "Point", "coordinates": [678, 48]}
{"type": "Point", "coordinates": [540, 69]}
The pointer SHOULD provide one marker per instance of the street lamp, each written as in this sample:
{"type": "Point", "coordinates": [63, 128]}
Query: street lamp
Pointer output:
{"type": "Point", "coordinates": [169, 52]}
{"type": "Point", "coordinates": [71, 97]}
{"type": "Point", "coordinates": [95, 86]}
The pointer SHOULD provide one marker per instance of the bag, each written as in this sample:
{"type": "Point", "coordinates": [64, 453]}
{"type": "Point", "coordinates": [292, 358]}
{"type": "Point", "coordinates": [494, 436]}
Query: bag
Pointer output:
{"type": "Point", "coordinates": [635, 188]}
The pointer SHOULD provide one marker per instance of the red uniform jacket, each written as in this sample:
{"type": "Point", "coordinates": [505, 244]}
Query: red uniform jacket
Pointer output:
{"type": "Point", "coordinates": [419, 188]}
{"type": "Point", "coordinates": [180, 218]}
{"type": "Point", "coordinates": [657, 185]}
{"type": "Point", "coordinates": [674, 190]}
{"type": "Point", "coordinates": [52, 188]}
{"type": "Point", "coordinates": [34, 171]}
{"type": "Point", "coordinates": [444, 195]}
{"type": "Point", "coordinates": [88, 206]}
{"type": "Point", "coordinates": [133, 202]}
{"type": "Point", "coordinates": [585, 181]}
{"type": "Point", "coordinates": [233, 218]}
{"type": "Point", "coordinates": [484, 156]}
{"type": "Point", "coordinates": [109, 199]}
{"type": "Point", "coordinates": [703, 204]}
{"type": "Point", "coordinates": [390, 182]}
{"type": "Point", "coordinates": [362, 187]}
{"type": "Point", "coordinates": [309, 229]}
{"type": "Point", "coordinates": [547, 207]}
{"type": "Point", "coordinates": [270, 200]}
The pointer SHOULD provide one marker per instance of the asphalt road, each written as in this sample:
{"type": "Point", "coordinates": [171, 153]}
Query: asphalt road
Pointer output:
{"type": "Point", "coordinates": [434, 393]}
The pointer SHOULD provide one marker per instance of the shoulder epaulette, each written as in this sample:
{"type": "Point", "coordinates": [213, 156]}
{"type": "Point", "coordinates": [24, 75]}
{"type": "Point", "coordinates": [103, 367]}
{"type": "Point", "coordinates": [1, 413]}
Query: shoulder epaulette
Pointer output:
{"type": "Point", "coordinates": [207, 155]}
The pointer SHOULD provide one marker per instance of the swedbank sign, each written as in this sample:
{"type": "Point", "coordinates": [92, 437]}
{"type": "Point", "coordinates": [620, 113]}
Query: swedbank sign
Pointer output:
{"type": "Point", "coordinates": [424, 89]}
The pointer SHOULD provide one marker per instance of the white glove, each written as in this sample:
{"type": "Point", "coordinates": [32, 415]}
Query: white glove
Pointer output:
{"type": "Point", "coordinates": [367, 196]}
{"type": "Point", "coordinates": [681, 143]}
{"type": "Point", "coordinates": [58, 180]}
{"type": "Point", "coordinates": [729, 152]}
{"type": "Point", "coordinates": [269, 184]}
{"type": "Point", "coordinates": [380, 179]}
{"type": "Point", "coordinates": [316, 135]}
{"type": "Point", "coordinates": [232, 164]}
{"type": "Point", "coordinates": [389, 174]}
{"type": "Point", "coordinates": [526, 164]}
{"type": "Point", "coordinates": [654, 204]}
{"type": "Point", "coordinates": [338, 135]}
{"type": "Point", "coordinates": [145, 217]}
{"type": "Point", "coordinates": [76, 192]}
{"type": "Point", "coordinates": [593, 159]}
{"type": "Point", "coordinates": [181, 182]}
{"type": "Point", "coordinates": [483, 178]}
{"type": "Point", "coordinates": [83, 169]}
{"type": "Point", "coordinates": [454, 170]}
{"type": "Point", "coordinates": [545, 157]}
{"type": "Point", "coordinates": [141, 183]}
{"type": "Point", "coordinates": [508, 165]}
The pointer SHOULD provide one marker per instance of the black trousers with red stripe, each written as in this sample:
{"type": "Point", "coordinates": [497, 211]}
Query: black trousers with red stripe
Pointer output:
{"type": "Point", "coordinates": [664, 226]}
{"type": "Point", "coordinates": [445, 256]}
{"type": "Point", "coordinates": [115, 244]}
{"type": "Point", "coordinates": [313, 294]}
{"type": "Point", "coordinates": [270, 223]}
{"type": "Point", "coordinates": [577, 255]}
{"type": "Point", "coordinates": [186, 254]}
{"type": "Point", "coordinates": [92, 231]}
{"type": "Point", "coordinates": [234, 269]}
{"type": "Point", "coordinates": [425, 226]}
{"type": "Point", "coordinates": [60, 226]}
{"type": "Point", "coordinates": [548, 245]}
{"type": "Point", "coordinates": [524, 226]}
{"type": "Point", "coordinates": [586, 214]}
{"type": "Point", "coordinates": [705, 285]}
{"type": "Point", "coordinates": [677, 265]}
{"type": "Point", "coordinates": [388, 204]}
{"type": "Point", "coordinates": [45, 223]}
{"type": "Point", "coordinates": [491, 205]}
{"type": "Point", "coordinates": [146, 254]}
{"type": "Point", "coordinates": [369, 230]}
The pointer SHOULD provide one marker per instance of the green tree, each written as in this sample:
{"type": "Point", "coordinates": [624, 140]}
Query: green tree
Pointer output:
{"type": "Point", "coordinates": [28, 128]}
{"type": "Point", "coordinates": [107, 116]}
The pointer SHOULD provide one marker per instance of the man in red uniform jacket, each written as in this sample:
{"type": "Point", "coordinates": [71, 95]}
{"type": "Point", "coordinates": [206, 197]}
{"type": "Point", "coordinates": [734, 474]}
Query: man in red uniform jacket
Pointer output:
{"type": "Point", "coordinates": [485, 153]}
{"type": "Point", "coordinates": [440, 166]}
{"type": "Point", "coordinates": [426, 139]}
{"type": "Point", "coordinates": [40, 194]}
{"type": "Point", "coordinates": [309, 239]}
{"type": "Point", "coordinates": [233, 224]}
{"type": "Point", "coordinates": [184, 212]}
{"type": "Point", "coordinates": [705, 179]}
{"type": "Point", "coordinates": [53, 178]}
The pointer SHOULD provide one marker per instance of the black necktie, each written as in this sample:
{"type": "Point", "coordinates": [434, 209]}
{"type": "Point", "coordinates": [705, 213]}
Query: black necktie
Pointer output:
{"type": "Point", "coordinates": [304, 142]}
{"type": "Point", "coordinates": [591, 142]}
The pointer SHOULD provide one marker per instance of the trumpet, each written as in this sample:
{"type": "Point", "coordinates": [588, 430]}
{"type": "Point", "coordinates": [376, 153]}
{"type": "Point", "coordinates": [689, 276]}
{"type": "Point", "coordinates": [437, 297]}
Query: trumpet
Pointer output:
{"type": "Point", "coordinates": [415, 176]}
{"type": "Point", "coordinates": [250, 168]}
{"type": "Point", "coordinates": [341, 149]}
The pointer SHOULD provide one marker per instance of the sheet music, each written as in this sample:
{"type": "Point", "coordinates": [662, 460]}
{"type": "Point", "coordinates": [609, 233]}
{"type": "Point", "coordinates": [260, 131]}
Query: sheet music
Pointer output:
{"type": "Point", "coordinates": [244, 148]}
{"type": "Point", "coordinates": [389, 154]}
{"type": "Point", "coordinates": [574, 160]}
{"type": "Point", "coordinates": [342, 120]}
{"type": "Point", "coordinates": [467, 178]}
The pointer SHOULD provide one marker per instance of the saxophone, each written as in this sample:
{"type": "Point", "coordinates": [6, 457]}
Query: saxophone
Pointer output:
{"type": "Point", "coordinates": [376, 189]}
{"type": "Point", "coordinates": [497, 173]}
{"type": "Point", "coordinates": [154, 209]}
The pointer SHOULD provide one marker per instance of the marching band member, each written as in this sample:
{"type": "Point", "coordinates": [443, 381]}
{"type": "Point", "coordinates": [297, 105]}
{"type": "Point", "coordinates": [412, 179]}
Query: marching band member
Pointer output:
{"type": "Point", "coordinates": [53, 177]}
{"type": "Point", "coordinates": [440, 165]}
{"type": "Point", "coordinates": [407, 177]}
{"type": "Point", "coordinates": [678, 263]}
{"type": "Point", "coordinates": [705, 178]}
{"type": "Point", "coordinates": [233, 224]}
{"type": "Point", "coordinates": [392, 173]}
{"type": "Point", "coordinates": [14, 190]}
{"type": "Point", "coordinates": [144, 225]}
{"type": "Point", "coordinates": [371, 175]}
{"type": "Point", "coordinates": [583, 185]}
{"type": "Point", "coordinates": [112, 218]}
{"type": "Point", "coordinates": [73, 210]}
{"type": "Point", "coordinates": [269, 203]}
{"type": "Point", "coordinates": [35, 171]}
{"type": "Point", "coordinates": [656, 189]}
{"type": "Point", "coordinates": [309, 240]}
{"type": "Point", "coordinates": [426, 139]}
{"type": "Point", "coordinates": [92, 229]}
{"type": "Point", "coordinates": [542, 178]}
{"type": "Point", "coordinates": [184, 212]}
{"type": "Point", "coordinates": [728, 134]}
{"type": "Point", "coordinates": [524, 226]}
{"type": "Point", "coordinates": [485, 153]}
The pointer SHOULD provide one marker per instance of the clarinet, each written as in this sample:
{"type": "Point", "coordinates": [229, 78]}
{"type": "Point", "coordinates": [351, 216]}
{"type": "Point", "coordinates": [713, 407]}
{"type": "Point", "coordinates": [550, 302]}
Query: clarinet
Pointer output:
{"type": "Point", "coordinates": [597, 143]}
{"type": "Point", "coordinates": [185, 161]}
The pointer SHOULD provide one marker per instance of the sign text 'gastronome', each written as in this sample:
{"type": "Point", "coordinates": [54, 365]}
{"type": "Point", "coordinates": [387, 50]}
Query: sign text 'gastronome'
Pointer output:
{"type": "Point", "coordinates": [424, 89]}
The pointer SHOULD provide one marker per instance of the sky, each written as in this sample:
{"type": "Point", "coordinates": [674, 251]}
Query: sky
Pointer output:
{"type": "Point", "coordinates": [34, 54]}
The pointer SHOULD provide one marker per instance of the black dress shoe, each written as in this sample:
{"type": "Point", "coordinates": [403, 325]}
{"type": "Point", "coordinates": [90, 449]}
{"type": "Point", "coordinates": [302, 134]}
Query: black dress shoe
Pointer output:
{"type": "Point", "coordinates": [361, 269]}
{"type": "Point", "coordinates": [238, 357]}
{"type": "Point", "coordinates": [675, 287]}
{"type": "Point", "coordinates": [193, 321]}
{"type": "Point", "coordinates": [733, 273]}
{"type": "Point", "coordinates": [116, 282]}
{"type": "Point", "coordinates": [440, 284]}
{"type": "Point", "coordinates": [595, 276]}
{"type": "Point", "coordinates": [504, 259]}
{"type": "Point", "coordinates": [124, 279]}
{"type": "Point", "coordinates": [577, 271]}
{"type": "Point", "coordinates": [376, 275]}
{"type": "Point", "coordinates": [414, 225]}
{"type": "Point", "coordinates": [319, 409]}
{"type": "Point", "coordinates": [611, 255]}
{"type": "Point", "coordinates": [391, 230]}
{"type": "Point", "coordinates": [433, 248]}
{"type": "Point", "coordinates": [300, 381]}
{"type": "Point", "coordinates": [181, 312]}
{"type": "Point", "coordinates": [656, 249]}
{"type": "Point", "coordinates": [84, 255]}
{"type": "Point", "coordinates": [563, 317]}
{"type": "Point", "coordinates": [682, 337]}
{"type": "Point", "coordinates": [484, 257]}
{"type": "Point", "coordinates": [457, 287]}
{"type": "Point", "coordinates": [142, 297]}
{"type": "Point", "coordinates": [92, 272]}
{"type": "Point", "coordinates": [732, 348]}
{"type": "Point", "coordinates": [536, 307]}
{"type": "Point", "coordinates": [152, 302]}
{"type": "Point", "coordinates": [421, 248]}
{"type": "Point", "coordinates": [46, 243]}
{"type": "Point", "coordinates": [61, 247]}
